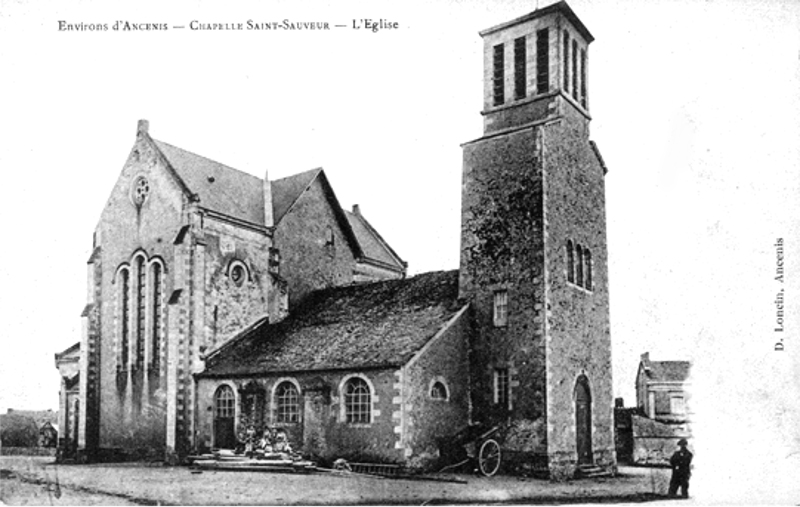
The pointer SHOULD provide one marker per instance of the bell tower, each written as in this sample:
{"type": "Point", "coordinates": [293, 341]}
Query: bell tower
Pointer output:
{"type": "Point", "coordinates": [534, 67]}
{"type": "Point", "coordinates": [533, 248]}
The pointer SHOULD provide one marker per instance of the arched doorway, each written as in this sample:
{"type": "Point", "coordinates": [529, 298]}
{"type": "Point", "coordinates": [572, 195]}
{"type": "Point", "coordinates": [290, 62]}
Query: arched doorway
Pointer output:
{"type": "Point", "coordinates": [583, 420]}
{"type": "Point", "coordinates": [224, 417]}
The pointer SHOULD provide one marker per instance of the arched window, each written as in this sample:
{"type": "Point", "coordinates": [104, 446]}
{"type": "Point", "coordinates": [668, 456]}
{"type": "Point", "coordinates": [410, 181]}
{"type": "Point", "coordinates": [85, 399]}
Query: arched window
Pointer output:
{"type": "Point", "coordinates": [579, 265]}
{"type": "Point", "coordinates": [287, 403]}
{"type": "Point", "coordinates": [123, 287]}
{"type": "Point", "coordinates": [570, 262]}
{"type": "Point", "coordinates": [224, 402]}
{"type": "Point", "coordinates": [141, 309]}
{"type": "Point", "coordinates": [587, 259]}
{"type": "Point", "coordinates": [438, 391]}
{"type": "Point", "coordinates": [158, 311]}
{"type": "Point", "coordinates": [357, 401]}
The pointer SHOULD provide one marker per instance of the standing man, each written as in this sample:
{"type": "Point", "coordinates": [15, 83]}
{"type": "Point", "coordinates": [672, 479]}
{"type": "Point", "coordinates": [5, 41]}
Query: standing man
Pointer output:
{"type": "Point", "coordinates": [681, 463]}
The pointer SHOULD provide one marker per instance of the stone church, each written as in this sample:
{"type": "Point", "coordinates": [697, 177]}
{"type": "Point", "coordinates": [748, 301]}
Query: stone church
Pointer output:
{"type": "Point", "coordinates": [219, 300]}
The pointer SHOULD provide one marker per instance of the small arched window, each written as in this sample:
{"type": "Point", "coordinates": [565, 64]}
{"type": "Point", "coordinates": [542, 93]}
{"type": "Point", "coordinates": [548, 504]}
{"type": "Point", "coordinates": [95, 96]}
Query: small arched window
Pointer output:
{"type": "Point", "coordinates": [287, 403]}
{"type": "Point", "coordinates": [570, 262]}
{"type": "Point", "coordinates": [579, 265]}
{"type": "Point", "coordinates": [357, 401]}
{"type": "Point", "coordinates": [438, 391]}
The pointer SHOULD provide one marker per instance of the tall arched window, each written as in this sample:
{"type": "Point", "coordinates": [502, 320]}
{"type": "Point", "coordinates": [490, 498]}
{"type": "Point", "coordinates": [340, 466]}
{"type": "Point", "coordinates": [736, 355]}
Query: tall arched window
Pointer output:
{"type": "Point", "coordinates": [579, 264]}
{"type": "Point", "coordinates": [287, 403]}
{"type": "Point", "coordinates": [124, 317]}
{"type": "Point", "coordinates": [570, 262]}
{"type": "Point", "coordinates": [141, 309]}
{"type": "Point", "coordinates": [357, 401]}
{"type": "Point", "coordinates": [158, 310]}
{"type": "Point", "coordinates": [587, 259]}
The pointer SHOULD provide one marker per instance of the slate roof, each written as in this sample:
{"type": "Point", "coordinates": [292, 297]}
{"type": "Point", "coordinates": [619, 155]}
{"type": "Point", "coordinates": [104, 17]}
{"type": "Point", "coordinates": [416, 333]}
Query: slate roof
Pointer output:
{"type": "Point", "coordinates": [286, 191]}
{"type": "Point", "coordinates": [220, 188]}
{"type": "Point", "coordinates": [355, 327]}
{"type": "Point", "coordinates": [670, 371]}
{"type": "Point", "coordinates": [372, 244]}
{"type": "Point", "coordinates": [666, 371]}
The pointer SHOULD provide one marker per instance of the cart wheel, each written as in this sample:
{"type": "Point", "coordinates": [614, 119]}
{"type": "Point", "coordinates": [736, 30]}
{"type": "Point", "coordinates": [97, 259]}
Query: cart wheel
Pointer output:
{"type": "Point", "coordinates": [489, 457]}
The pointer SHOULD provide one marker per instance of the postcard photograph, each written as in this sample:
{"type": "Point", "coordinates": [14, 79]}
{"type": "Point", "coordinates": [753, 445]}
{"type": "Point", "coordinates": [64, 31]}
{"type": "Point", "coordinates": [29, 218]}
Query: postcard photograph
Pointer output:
{"type": "Point", "coordinates": [435, 251]}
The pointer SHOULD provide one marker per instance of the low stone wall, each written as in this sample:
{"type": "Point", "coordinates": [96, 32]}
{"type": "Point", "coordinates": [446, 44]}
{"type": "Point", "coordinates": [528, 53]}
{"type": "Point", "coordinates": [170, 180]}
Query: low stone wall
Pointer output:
{"type": "Point", "coordinates": [27, 451]}
{"type": "Point", "coordinates": [654, 442]}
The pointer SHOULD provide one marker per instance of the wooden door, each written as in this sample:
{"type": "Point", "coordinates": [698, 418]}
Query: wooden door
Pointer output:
{"type": "Point", "coordinates": [224, 418]}
{"type": "Point", "coordinates": [583, 421]}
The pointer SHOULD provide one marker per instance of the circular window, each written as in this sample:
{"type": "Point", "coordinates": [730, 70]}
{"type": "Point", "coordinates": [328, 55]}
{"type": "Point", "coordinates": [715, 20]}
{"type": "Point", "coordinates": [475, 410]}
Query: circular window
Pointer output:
{"type": "Point", "coordinates": [238, 274]}
{"type": "Point", "coordinates": [141, 189]}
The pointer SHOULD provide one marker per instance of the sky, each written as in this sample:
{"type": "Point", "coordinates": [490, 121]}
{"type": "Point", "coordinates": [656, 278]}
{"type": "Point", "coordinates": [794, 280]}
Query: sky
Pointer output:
{"type": "Point", "coordinates": [694, 107]}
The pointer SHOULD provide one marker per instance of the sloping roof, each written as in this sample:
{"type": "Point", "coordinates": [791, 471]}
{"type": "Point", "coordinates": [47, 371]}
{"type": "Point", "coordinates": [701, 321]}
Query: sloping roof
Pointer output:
{"type": "Point", "coordinates": [561, 7]}
{"type": "Point", "coordinates": [220, 188]}
{"type": "Point", "coordinates": [372, 244]}
{"type": "Point", "coordinates": [354, 327]}
{"type": "Point", "coordinates": [669, 371]}
{"type": "Point", "coordinates": [286, 191]}
{"type": "Point", "coordinates": [73, 349]}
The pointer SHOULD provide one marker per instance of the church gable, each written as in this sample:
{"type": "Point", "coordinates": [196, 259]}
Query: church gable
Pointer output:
{"type": "Point", "coordinates": [317, 246]}
{"type": "Point", "coordinates": [147, 200]}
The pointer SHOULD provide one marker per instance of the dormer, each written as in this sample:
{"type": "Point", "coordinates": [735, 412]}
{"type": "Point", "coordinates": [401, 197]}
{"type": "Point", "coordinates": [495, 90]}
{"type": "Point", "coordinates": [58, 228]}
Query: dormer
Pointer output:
{"type": "Point", "coordinates": [534, 66]}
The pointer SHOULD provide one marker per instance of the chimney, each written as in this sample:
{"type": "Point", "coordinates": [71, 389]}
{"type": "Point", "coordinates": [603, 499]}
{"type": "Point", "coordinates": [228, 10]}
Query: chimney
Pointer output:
{"type": "Point", "coordinates": [142, 127]}
{"type": "Point", "coordinates": [646, 360]}
{"type": "Point", "coordinates": [356, 210]}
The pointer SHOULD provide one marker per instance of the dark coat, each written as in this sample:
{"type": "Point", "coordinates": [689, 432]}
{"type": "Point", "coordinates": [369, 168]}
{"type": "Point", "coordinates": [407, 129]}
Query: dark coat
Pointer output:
{"type": "Point", "coordinates": [681, 463]}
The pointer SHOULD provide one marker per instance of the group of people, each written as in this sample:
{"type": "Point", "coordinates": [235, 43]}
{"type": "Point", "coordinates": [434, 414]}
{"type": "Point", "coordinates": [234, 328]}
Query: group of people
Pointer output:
{"type": "Point", "coordinates": [273, 440]}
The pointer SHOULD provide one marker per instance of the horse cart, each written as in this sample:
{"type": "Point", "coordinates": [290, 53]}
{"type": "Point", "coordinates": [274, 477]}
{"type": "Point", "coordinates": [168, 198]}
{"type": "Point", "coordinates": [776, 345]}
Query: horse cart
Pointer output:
{"type": "Point", "coordinates": [478, 445]}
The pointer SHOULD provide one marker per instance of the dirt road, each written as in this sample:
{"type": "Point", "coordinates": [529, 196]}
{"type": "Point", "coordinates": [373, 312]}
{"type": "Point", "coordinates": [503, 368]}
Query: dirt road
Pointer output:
{"type": "Point", "coordinates": [29, 480]}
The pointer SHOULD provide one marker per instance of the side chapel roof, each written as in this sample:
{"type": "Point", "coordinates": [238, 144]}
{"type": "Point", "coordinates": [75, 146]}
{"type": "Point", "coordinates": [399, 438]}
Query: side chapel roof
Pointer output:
{"type": "Point", "coordinates": [355, 327]}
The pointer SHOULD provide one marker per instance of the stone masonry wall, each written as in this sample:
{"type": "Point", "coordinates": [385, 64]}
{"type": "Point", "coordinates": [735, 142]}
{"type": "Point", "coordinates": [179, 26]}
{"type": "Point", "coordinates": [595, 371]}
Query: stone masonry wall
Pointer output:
{"type": "Point", "coordinates": [578, 331]}
{"type": "Point", "coordinates": [422, 421]}
{"type": "Point", "coordinates": [308, 260]}
{"type": "Point", "coordinates": [231, 306]}
{"type": "Point", "coordinates": [131, 416]}
{"type": "Point", "coordinates": [334, 438]}
{"type": "Point", "coordinates": [502, 249]}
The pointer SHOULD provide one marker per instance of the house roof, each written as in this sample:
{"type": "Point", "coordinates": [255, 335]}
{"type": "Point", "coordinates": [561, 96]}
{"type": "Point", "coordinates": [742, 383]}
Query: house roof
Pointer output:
{"type": "Point", "coordinates": [220, 188]}
{"type": "Point", "coordinates": [71, 350]}
{"type": "Point", "coordinates": [674, 371]}
{"type": "Point", "coordinates": [372, 244]}
{"type": "Point", "coordinates": [355, 327]}
{"type": "Point", "coordinates": [665, 371]}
